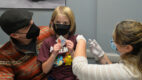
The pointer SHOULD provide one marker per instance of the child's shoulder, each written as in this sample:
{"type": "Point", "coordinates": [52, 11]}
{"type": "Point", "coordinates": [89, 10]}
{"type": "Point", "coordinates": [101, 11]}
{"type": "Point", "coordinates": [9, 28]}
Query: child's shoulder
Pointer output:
{"type": "Point", "coordinates": [51, 38]}
{"type": "Point", "coordinates": [73, 36]}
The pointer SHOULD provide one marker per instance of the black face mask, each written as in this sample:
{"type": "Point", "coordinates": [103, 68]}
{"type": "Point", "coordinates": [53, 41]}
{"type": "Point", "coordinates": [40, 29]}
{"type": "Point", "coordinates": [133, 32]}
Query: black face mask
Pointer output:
{"type": "Point", "coordinates": [61, 29]}
{"type": "Point", "coordinates": [33, 32]}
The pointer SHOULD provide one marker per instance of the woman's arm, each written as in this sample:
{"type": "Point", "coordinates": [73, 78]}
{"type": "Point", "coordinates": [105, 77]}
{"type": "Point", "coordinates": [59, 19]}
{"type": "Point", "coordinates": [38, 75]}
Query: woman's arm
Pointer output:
{"type": "Point", "coordinates": [98, 52]}
{"type": "Point", "coordinates": [105, 60]}
{"type": "Point", "coordinates": [81, 51]}
{"type": "Point", "coordinates": [85, 71]}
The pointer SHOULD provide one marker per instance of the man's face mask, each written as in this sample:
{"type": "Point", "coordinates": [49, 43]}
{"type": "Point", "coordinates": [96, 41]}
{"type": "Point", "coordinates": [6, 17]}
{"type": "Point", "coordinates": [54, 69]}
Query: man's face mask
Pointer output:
{"type": "Point", "coordinates": [61, 29]}
{"type": "Point", "coordinates": [33, 32]}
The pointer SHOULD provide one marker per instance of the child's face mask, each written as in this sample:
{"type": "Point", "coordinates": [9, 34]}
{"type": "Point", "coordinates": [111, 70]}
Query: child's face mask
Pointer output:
{"type": "Point", "coordinates": [61, 29]}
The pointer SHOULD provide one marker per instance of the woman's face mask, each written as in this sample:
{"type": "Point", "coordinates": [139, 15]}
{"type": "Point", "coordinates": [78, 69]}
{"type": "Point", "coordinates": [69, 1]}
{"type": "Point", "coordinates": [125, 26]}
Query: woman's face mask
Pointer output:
{"type": "Point", "coordinates": [61, 29]}
{"type": "Point", "coordinates": [113, 46]}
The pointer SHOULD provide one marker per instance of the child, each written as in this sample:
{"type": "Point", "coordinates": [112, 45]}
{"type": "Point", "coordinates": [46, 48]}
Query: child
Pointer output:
{"type": "Point", "coordinates": [56, 51]}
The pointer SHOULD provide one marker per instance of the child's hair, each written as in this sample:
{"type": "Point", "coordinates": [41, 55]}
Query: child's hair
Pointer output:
{"type": "Point", "coordinates": [65, 11]}
{"type": "Point", "coordinates": [129, 32]}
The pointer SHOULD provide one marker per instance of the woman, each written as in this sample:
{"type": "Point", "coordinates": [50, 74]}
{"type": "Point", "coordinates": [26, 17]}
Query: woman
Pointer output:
{"type": "Point", "coordinates": [127, 37]}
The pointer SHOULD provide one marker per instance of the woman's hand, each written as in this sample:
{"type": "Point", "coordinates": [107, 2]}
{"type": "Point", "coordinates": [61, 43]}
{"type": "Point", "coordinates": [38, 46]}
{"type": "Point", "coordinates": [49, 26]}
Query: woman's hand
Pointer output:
{"type": "Point", "coordinates": [95, 48]}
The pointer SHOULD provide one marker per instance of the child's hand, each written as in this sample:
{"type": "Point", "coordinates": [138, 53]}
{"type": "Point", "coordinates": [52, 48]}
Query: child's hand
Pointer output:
{"type": "Point", "coordinates": [56, 48]}
{"type": "Point", "coordinates": [69, 45]}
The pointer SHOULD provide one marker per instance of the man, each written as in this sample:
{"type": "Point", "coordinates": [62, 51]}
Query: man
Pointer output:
{"type": "Point", "coordinates": [18, 57]}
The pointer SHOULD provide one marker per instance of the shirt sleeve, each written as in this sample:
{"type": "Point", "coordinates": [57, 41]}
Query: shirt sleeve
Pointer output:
{"type": "Point", "coordinates": [6, 71]}
{"type": "Point", "coordinates": [85, 71]}
{"type": "Point", "coordinates": [44, 52]}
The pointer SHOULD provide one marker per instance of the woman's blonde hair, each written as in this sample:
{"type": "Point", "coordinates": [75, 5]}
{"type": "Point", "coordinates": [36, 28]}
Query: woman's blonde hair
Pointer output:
{"type": "Point", "coordinates": [129, 32]}
{"type": "Point", "coordinates": [65, 11]}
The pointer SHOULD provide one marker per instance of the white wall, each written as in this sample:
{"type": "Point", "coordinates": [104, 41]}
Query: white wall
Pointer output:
{"type": "Point", "coordinates": [110, 12]}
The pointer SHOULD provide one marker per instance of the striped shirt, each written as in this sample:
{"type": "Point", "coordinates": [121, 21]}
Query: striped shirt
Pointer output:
{"type": "Point", "coordinates": [17, 66]}
{"type": "Point", "coordinates": [85, 71]}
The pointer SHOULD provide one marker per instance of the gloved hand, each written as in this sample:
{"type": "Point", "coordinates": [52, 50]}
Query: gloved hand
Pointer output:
{"type": "Point", "coordinates": [95, 48]}
{"type": "Point", "coordinates": [80, 37]}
